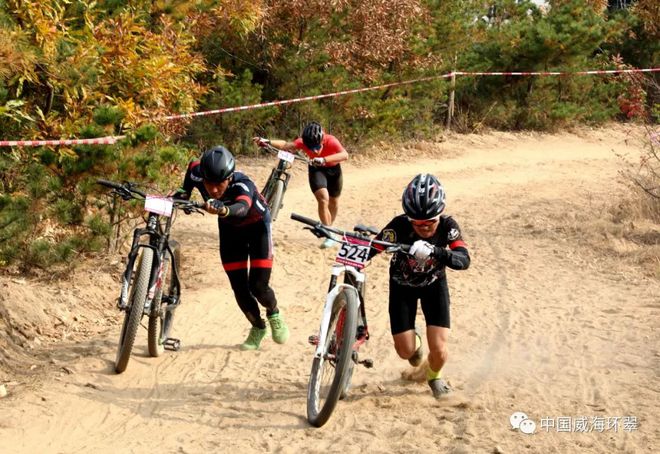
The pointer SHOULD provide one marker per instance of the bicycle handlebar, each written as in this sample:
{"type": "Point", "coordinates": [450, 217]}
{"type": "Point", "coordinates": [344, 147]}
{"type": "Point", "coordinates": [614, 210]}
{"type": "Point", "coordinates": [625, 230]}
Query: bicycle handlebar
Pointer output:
{"type": "Point", "coordinates": [318, 227]}
{"type": "Point", "coordinates": [274, 150]}
{"type": "Point", "coordinates": [128, 190]}
{"type": "Point", "coordinates": [125, 189]}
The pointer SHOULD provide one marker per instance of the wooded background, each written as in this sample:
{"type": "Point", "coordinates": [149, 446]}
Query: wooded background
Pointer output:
{"type": "Point", "coordinates": [83, 69]}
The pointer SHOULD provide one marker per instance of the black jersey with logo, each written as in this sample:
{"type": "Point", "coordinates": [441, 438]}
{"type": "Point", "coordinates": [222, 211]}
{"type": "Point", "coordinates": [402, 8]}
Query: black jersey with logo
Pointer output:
{"type": "Point", "coordinates": [246, 203]}
{"type": "Point", "coordinates": [240, 191]}
{"type": "Point", "coordinates": [406, 270]}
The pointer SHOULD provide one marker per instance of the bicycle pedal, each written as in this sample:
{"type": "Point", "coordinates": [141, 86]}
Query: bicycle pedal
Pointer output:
{"type": "Point", "coordinates": [172, 344]}
{"type": "Point", "coordinates": [313, 340]}
{"type": "Point", "coordinates": [368, 363]}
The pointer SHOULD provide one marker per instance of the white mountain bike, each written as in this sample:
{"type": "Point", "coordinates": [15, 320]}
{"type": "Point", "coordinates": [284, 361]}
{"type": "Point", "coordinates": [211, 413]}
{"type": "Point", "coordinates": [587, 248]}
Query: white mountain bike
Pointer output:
{"type": "Point", "coordinates": [343, 322]}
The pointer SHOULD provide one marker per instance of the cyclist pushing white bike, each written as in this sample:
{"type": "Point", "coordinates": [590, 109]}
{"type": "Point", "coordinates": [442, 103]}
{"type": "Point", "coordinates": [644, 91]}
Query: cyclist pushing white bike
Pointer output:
{"type": "Point", "coordinates": [424, 243]}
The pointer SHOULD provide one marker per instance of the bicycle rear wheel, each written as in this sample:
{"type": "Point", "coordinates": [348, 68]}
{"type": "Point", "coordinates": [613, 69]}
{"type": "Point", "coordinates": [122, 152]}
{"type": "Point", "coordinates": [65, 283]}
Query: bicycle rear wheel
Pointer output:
{"type": "Point", "coordinates": [160, 318]}
{"type": "Point", "coordinates": [138, 295]}
{"type": "Point", "coordinates": [327, 380]}
{"type": "Point", "coordinates": [275, 201]}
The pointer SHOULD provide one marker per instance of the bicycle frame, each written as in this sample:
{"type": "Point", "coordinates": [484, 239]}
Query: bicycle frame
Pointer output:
{"type": "Point", "coordinates": [159, 242]}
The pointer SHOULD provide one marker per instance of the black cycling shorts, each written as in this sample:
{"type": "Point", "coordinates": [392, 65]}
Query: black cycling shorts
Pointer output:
{"type": "Point", "coordinates": [326, 177]}
{"type": "Point", "coordinates": [403, 305]}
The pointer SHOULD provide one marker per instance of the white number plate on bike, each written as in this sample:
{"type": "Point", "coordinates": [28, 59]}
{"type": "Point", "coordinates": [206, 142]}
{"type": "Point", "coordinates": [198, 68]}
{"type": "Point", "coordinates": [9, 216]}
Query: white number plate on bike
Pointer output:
{"type": "Point", "coordinates": [159, 205]}
{"type": "Point", "coordinates": [285, 155]}
{"type": "Point", "coordinates": [353, 252]}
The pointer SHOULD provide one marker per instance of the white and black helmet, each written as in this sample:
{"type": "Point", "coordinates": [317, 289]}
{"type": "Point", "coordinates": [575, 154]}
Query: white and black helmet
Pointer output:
{"type": "Point", "coordinates": [424, 197]}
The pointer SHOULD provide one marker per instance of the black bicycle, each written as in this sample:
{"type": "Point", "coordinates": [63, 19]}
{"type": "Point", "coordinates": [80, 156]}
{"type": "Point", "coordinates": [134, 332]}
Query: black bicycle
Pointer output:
{"type": "Point", "coordinates": [343, 326]}
{"type": "Point", "coordinates": [278, 181]}
{"type": "Point", "coordinates": [150, 284]}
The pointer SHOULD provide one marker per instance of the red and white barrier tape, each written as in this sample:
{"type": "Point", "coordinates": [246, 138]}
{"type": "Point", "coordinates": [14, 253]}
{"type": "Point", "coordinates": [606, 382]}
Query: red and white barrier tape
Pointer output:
{"type": "Point", "coordinates": [110, 140]}
{"type": "Point", "coordinates": [556, 73]}
{"type": "Point", "coordinates": [113, 139]}
{"type": "Point", "coordinates": [294, 100]}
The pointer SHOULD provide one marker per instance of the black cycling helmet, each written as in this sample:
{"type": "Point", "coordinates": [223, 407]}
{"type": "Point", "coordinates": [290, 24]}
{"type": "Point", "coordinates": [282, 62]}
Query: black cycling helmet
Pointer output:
{"type": "Point", "coordinates": [312, 136]}
{"type": "Point", "coordinates": [424, 197]}
{"type": "Point", "coordinates": [217, 164]}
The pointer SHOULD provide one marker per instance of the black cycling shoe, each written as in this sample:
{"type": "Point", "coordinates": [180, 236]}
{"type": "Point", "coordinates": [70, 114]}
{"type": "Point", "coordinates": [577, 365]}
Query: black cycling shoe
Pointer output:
{"type": "Point", "coordinates": [439, 387]}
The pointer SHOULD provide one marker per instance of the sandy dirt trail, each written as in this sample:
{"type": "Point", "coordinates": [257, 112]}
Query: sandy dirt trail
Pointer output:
{"type": "Point", "coordinates": [540, 324]}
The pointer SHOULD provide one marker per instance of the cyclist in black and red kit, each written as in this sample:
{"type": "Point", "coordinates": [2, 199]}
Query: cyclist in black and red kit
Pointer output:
{"type": "Point", "coordinates": [244, 225]}
{"type": "Point", "coordinates": [437, 244]}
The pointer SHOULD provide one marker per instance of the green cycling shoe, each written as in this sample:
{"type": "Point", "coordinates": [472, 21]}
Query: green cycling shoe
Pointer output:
{"type": "Point", "coordinates": [278, 328]}
{"type": "Point", "coordinates": [255, 336]}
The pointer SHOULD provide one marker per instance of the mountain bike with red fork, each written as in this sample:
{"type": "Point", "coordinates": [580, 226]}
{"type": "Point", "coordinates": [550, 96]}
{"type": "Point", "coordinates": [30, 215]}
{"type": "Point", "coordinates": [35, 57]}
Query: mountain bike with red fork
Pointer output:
{"type": "Point", "coordinates": [344, 327]}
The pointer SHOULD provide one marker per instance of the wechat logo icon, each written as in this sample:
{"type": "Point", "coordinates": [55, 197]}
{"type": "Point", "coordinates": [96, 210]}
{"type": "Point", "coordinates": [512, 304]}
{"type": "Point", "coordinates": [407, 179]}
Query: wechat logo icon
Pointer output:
{"type": "Point", "coordinates": [521, 422]}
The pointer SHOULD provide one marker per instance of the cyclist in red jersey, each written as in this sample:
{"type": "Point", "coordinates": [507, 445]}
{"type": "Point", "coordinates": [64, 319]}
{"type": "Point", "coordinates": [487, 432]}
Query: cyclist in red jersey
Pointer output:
{"type": "Point", "coordinates": [325, 176]}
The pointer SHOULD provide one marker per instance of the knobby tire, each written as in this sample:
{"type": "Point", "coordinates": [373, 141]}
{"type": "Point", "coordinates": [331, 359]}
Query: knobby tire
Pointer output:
{"type": "Point", "coordinates": [275, 201]}
{"type": "Point", "coordinates": [160, 319]}
{"type": "Point", "coordinates": [268, 188]}
{"type": "Point", "coordinates": [138, 295]}
{"type": "Point", "coordinates": [350, 280]}
{"type": "Point", "coordinates": [320, 404]}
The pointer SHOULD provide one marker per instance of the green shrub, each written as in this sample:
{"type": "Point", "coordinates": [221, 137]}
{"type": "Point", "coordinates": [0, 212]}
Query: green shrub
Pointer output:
{"type": "Point", "coordinates": [40, 254]}
{"type": "Point", "coordinates": [98, 226]}
{"type": "Point", "coordinates": [67, 211]}
{"type": "Point", "coordinates": [108, 115]}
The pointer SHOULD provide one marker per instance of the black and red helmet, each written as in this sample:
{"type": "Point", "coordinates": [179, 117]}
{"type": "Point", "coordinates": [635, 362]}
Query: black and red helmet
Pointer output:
{"type": "Point", "coordinates": [424, 197]}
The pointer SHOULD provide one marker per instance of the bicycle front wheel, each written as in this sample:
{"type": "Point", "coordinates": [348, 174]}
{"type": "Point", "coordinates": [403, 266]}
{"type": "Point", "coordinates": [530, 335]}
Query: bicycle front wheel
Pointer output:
{"type": "Point", "coordinates": [138, 295]}
{"type": "Point", "coordinates": [267, 191]}
{"type": "Point", "coordinates": [329, 372]}
{"type": "Point", "coordinates": [160, 318]}
{"type": "Point", "coordinates": [275, 201]}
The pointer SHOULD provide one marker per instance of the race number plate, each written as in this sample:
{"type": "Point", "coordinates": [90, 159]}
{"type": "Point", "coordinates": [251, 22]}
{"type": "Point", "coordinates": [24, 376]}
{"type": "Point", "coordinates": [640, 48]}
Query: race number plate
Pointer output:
{"type": "Point", "coordinates": [286, 156]}
{"type": "Point", "coordinates": [353, 252]}
{"type": "Point", "coordinates": [158, 205]}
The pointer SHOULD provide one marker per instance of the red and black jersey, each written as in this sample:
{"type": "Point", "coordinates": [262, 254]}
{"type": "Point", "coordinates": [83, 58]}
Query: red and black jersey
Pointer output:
{"type": "Point", "coordinates": [245, 202]}
{"type": "Point", "coordinates": [406, 270]}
